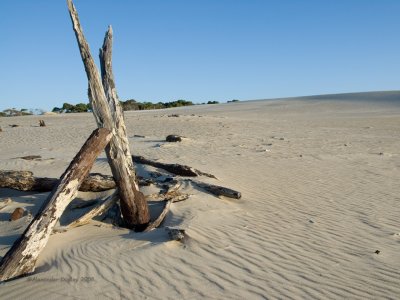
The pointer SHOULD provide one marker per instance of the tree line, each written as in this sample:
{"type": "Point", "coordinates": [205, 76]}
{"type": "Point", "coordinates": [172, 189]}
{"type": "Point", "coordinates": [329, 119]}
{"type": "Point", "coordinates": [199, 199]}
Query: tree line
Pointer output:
{"type": "Point", "coordinates": [130, 104]}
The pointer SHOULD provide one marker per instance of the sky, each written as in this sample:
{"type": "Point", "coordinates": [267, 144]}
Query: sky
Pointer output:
{"type": "Point", "coordinates": [208, 50]}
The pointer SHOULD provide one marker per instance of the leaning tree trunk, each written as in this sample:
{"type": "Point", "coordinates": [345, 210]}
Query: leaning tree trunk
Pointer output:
{"type": "Point", "coordinates": [133, 204]}
{"type": "Point", "coordinates": [22, 256]}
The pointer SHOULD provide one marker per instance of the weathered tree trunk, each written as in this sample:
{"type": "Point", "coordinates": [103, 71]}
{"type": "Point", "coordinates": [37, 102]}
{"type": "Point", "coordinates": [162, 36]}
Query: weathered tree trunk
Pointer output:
{"type": "Point", "coordinates": [117, 113]}
{"type": "Point", "coordinates": [133, 204]}
{"type": "Point", "coordinates": [22, 256]}
{"type": "Point", "coordinates": [25, 181]}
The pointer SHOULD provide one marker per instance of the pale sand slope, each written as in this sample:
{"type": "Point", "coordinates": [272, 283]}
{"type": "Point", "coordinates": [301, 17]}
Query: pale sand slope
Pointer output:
{"type": "Point", "coordinates": [315, 207]}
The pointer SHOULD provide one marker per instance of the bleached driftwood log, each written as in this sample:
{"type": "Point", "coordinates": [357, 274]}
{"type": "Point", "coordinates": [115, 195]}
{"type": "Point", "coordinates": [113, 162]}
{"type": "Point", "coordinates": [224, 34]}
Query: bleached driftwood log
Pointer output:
{"type": "Point", "coordinates": [107, 76]}
{"type": "Point", "coordinates": [25, 181]}
{"type": "Point", "coordinates": [22, 256]}
{"type": "Point", "coordinates": [107, 114]}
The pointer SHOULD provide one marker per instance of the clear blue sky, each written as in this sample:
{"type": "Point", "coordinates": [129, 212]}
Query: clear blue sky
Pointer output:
{"type": "Point", "coordinates": [200, 50]}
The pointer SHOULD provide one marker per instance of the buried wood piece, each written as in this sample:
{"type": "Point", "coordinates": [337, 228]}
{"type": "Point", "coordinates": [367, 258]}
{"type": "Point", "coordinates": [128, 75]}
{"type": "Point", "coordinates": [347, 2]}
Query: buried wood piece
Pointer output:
{"type": "Point", "coordinates": [96, 182]}
{"type": "Point", "coordinates": [161, 217]}
{"type": "Point", "coordinates": [170, 193]}
{"type": "Point", "coordinates": [22, 256]}
{"type": "Point", "coordinates": [107, 114]}
{"type": "Point", "coordinates": [218, 190]}
{"type": "Point", "coordinates": [172, 138]}
{"type": "Point", "coordinates": [5, 202]}
{"type": "Point", "coordinates": [171, 196]}
{"type": "Point", "coordinates": [18, 213]}
{"type": "Point", "coordinates": [176, 234]}
{"type": "Point", "coordinates": [95, 211]}
{"type": "Point", "coordinates": [176, 169]}
{"type": "Point", "coordinates": [31, 157]}
{"type": "Point", "coordinates": [83, 204]}
{"type": "Point", "coordinates": [25, 181]}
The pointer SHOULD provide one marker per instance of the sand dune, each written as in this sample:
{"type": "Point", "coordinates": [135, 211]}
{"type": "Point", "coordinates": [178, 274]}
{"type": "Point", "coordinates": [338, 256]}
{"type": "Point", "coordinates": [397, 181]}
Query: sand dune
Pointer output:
{"type": "Point", "coordinates": [319, 179]}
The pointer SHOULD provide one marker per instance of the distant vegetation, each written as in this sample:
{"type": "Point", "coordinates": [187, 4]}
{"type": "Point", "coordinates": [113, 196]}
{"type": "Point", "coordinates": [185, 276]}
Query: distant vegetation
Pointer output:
{"type": "Point", "coordinates": [70, 108]}
{"type": "Point", "coordinates": [13, 112]}
{"type": "Point", "coordinates": [134, 105]}
{"type": "Point", "coordinates": [130, 104]}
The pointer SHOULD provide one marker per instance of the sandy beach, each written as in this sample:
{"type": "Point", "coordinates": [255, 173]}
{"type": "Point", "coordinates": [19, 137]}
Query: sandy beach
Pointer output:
{"type": "Point", "coordinates": [318, 217]}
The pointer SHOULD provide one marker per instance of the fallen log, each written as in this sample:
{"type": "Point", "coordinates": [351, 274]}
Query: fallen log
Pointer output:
{"type": "Point", "coordinates": [25, 181]}
{"type": "Point", "coordinates": [176, 169]}
{"type": "Point", "coordinates": [102, 96]}
{"type": "Point", "coordinates": [218, 190]}
{"type": "Point", "coordinates": [22, 256]}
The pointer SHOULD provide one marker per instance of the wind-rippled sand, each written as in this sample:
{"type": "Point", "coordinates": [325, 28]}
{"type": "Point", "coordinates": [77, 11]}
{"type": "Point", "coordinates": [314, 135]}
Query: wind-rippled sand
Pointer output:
{"type": "Point", "coordinates": [320, 185]}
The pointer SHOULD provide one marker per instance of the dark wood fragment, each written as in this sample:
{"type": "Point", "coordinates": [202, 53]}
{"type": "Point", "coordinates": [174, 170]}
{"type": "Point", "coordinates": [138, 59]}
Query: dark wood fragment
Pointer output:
{"type": "Point", "coordinates": [218, 190]}
{"type": "Point", "coordinates": [172, 138]}
{"type": "Point", "coordinates": [176, 169]}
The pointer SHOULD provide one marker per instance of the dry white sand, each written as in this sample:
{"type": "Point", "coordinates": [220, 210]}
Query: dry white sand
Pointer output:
{"type": "Point", "coordinates": [321, 193]}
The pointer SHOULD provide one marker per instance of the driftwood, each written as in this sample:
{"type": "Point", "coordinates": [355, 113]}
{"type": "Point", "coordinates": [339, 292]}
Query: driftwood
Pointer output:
{"type": "Point", "coordinates": [97, 210]}
{"type": "Point", "coordinates": [42, 123]}
{"type": "Point", "coordinates": [102, 96]}
{"type": "Point", "coordinates": [176, 234]}
{"type": "Point", "coordinates": [22, 256]}
{"type": "Point", "coordinates": [5, 202]}
{"type": "Point", "coordinates": [83, 204]}
{"type": "Point", "coordinates": [161, 217]}
{"type": "Point", "coordinates": [25, 181]}
{"type": "Point", "coordinates": [31, 157]}
{"type": "Point", "coordinates": [176, 169]}
{"type": "Point", "coordinates": [18, 213]}
{"type": "Point", "coordinates": [218, 190]}
{"type": "Point", "coordinates": [172, 138]}
{"type": "Point", "coordinates": [170, 196]}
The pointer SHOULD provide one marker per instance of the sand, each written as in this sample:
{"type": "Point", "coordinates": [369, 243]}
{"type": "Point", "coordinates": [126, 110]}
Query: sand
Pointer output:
{"type": "Point", "coordinates": [320, 183]}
